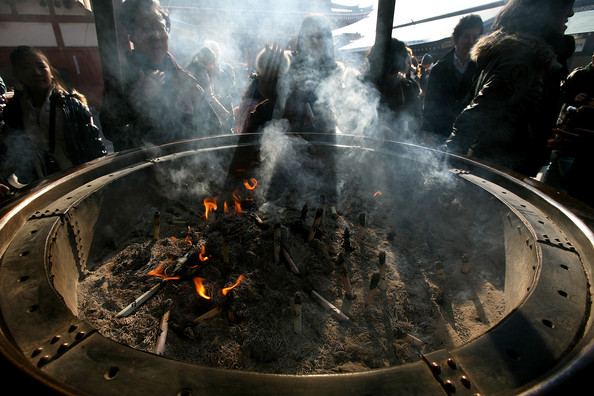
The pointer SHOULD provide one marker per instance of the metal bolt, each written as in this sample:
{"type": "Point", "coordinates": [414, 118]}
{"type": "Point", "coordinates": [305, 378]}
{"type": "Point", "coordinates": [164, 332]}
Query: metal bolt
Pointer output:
{"type": "Point", "coordinates": [63, 347]}
{"type": "Point", "coordinates": [435, 367]}
{"type": "Point", "coordinates": [452, 364]}
{"type": "Point", "coordinates": [450, 387]}
{"type": "Point", "coordinates": [465, 381]}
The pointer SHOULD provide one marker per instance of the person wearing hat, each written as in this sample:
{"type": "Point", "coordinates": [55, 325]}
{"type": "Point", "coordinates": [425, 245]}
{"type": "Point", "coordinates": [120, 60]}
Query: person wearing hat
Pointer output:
{"type": "Point", "coordinates": [451, 80]}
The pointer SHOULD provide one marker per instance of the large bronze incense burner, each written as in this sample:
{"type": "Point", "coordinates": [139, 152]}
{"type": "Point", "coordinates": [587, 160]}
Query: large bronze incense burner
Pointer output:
{"type": "Point", "coordinates": [55, 232]}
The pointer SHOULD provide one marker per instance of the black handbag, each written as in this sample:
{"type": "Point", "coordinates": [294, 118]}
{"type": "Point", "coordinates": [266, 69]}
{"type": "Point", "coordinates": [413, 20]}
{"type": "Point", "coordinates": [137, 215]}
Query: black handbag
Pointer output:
{"type": "Point", "coordinates": [83, 140]}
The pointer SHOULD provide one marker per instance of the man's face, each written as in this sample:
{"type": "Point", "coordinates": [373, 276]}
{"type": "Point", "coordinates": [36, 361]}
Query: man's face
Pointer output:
{"type": "Point", "coordinates": [151, 36]}
{"type": "Point", "coordinates": [467, 39]}
{"type": "Point", "coordinates": [561, 15]}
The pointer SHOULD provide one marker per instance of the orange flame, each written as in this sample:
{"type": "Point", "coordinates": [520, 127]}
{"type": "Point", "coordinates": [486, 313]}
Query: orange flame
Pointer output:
{"type": "Point", "coordinates": [160, 270]}
{"type": "Point", "coordinates": [225, 208]}
{"type": "Point", "coordinates": [226, 290]}
{"type": "Point", "coordinates": [202, 255]}
{"type": "Point", "coordinates": [210, 204]}
{"type": "Point", "coordinates": [377, 193]}
{"type": "Point", "coordinates": [251, 186]}
{"type": "Point", "coordinates": [200, 289]}
{"type": "Point", "coordinates": [188, 239]}
{"type": "Point", "coordinates": [237, 200]}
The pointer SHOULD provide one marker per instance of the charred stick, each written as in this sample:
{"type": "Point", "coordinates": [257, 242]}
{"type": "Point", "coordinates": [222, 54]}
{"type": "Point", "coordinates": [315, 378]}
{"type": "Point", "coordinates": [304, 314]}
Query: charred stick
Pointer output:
{"type": "Point", "coordinates": [139, 301]}
{"type": "Point", "coordinates": [465, 263]}
{"type": "Point", "coordinates": [382, 270]}
{"type": "Point", "coordinates": [337, 313]}
{"type": "Point", "coordinates": [297, 321]}
{"type": "Point", "coordinates": [439, 269]}
{"type": "Point", "coordinates": [413, 340]}
{"type": "Point", "coordinates": [156, 225]}
{"type": "Point", "coordinates": [316, 223]}
{"type": "Point", "coordinates": [210, 314]}
{"type": "Point", "coordinates": [346, 281]}
{"type": "Point", "coordinates": [347, 241]}
{"type": "Point", "coordinates": [225, 250]}
{"type": "Point", "coordinates": [290, 261]}
{"type": "Point", "coordinates": [304, 212]}
{"type": "Point", "coordinates": [163, 327]}
{"type": "Point", "coordinates": [362, 219]}
{"type": "Point", "coordinates": [277, 243]}
{"type": "Point", "coordinates": [285, 250]}
{"type": "Point", "coordinates": [373, 284]}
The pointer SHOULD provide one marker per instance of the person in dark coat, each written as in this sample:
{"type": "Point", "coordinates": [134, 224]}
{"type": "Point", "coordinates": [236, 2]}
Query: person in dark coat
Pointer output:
{"type": "Point", "coordinates": [48, 128]}
{"type": "Point", "coordinates": [517, 93]}
{"type": "Point", "coordinates": [451, 80]}
{"type": "Point", "coordinates": [399, 94]}
{"type": "Point", "coordinates": [159, 98]}
{"type": "Point", "coordinates": [572, 163]}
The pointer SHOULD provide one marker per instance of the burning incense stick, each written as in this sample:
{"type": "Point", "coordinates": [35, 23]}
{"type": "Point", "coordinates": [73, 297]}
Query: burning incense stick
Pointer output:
{"type": "Point", "coordinates": [465, 263]}
{"type": "Point", "coordinates": [297, 324]}
{"type": "Point", "coordinates": [315, 224]}
{"type": "Point", "coordinates": [225, 250]}
{"type": "Point", "coordinates": [439, 269]}
{"type": "Point", "coordinates": [346, 281]}
{"type": "Point", "coordinates": [373, 284]}
{"type": "Point", "coordinates": [346, 244]}
{"type": "Point", "coordinates": [413, 340]}
{"type": "Point", "coordinates": [139, 301]}
{"type": "Point", "coordinates": [362, 219]}
{"type": "Point", "coordinates": [285, 250]}
{"type": "Point", "coordinates": [210, 314]}
{"type": "Point", "coordinates": [304, 212]}
{"type": "Point", "coordinates": [277, 243]}
{"type": "Point", "coordinates": [337, 313]}
{"type": "Point", "coordinates": [163, 327]}
{"type": "Point", "coordinates": [156, 225]}
{"type": "Point", "coordinates": [290, 261]}
{"type": "Point", "coordinates": [382, 270]}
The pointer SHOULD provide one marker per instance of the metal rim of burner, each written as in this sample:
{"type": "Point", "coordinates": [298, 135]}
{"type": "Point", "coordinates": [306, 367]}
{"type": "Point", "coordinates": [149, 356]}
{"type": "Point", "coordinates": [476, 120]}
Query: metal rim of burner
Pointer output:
{"type": "Point", "coordinates": [539, 347]}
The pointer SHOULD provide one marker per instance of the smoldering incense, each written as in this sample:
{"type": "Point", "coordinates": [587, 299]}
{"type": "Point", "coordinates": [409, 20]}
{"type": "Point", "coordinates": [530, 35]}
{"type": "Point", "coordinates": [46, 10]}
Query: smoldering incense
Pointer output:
{"type": "Point", "coordinates": [375, 279]}
{"type": "Point", "coordinates": [156, 225]}
{"type": "Point", "coordinates": [337, 313]}
{"type": "Point", "coordinates": [277, 243]}
{"type": "Point", "coordinates": [346, 281]}
{"type": "Point", "coordinates": [362, 220]}
{"type": "Point", "coordinates": [139, 301]}
{"type": "Point", "coordinates": [315, 224]}
{"type": "Point", "coordinates": [163, 328]}
{"type": "Point", "coordinates": [382, 270]}
{"type": "Point", "coordinates": [297, 320]}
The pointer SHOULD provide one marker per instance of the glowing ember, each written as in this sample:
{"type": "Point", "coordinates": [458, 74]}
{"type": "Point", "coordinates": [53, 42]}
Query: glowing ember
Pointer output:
{"type": "Point", "coordinates": [200, 289]}
{"type": "Point", "coordinates": [210, 204]}
{"type": "Point", "coordinates": [226, 290]}
{"type": "Point", "coordinates": [160, 270]}
{"type": "Point", "coordinates": [377, 193]}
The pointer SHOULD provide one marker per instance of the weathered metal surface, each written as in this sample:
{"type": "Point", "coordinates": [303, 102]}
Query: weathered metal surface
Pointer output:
{"type": "Point", "coordinates": [48, 235]}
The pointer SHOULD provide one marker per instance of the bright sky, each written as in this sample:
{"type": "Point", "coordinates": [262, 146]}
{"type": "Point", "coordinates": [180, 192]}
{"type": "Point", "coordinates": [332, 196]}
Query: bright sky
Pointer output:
{"type": "Point", "coordinates": [416, 10]}
{"type": "Point", "coordinates": [407, 10]}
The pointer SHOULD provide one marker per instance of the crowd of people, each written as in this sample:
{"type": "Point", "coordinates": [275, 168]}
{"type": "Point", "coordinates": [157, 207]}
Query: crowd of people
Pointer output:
{"type": "Point", "coordinates": [505, 96]}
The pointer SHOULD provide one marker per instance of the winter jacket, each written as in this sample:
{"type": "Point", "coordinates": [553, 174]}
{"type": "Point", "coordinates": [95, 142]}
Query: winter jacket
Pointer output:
{"type": "Point", "coordinates": [133, 119]}
{"type": "Point", "coordinates": [446, 95]}
{"type": "Point", "coordinates": [60, 136]}
{"type": "Point", "coordinates": [509, 119]}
